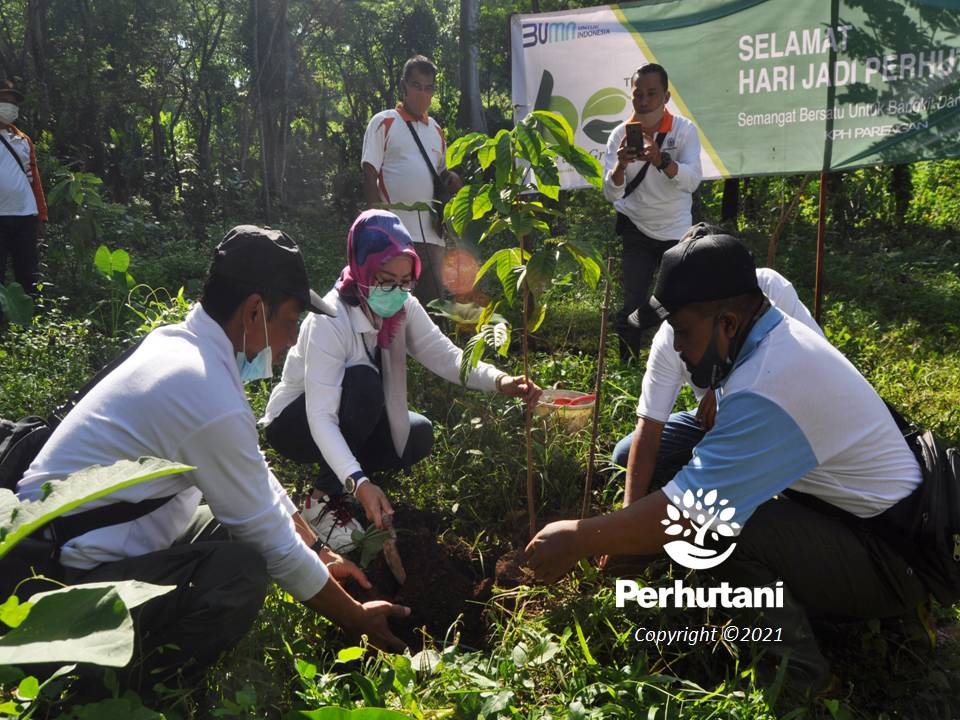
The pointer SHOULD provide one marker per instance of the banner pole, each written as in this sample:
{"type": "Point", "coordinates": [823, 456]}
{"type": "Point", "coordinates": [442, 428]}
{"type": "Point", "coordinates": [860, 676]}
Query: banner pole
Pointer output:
{"type": "Point", "coordinates": [821, 226]}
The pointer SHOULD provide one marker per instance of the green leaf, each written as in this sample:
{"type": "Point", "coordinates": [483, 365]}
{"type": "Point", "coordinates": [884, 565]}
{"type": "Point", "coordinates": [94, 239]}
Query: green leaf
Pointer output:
{"type": "Point", "coordinates": [548, 180]}
{"type": "Point", "coordinates": [606, 101]}
{"type": "Point", "coordinates": [504, 165]}
{"type": "Point", "coordinates": [540, 269]}
{"type": "Point", "coordinates": [461, 147]}
{"type": "Point", "coordinates": [560, 130]}
{"type": "Point", "coordinates": [583, 643]}
{"type": "Point", "coordinates": [487, 154]}
{"type": "Point", "coordinates": [350, 654]}
{"type": "Point", "coordinates": [543, 651]}
{"type": "Point", "coordinates": [103, 260]}
{"type": "Point", "coordinates": [459, 211]}
{"type": "Point", "coordinates": [124, 708]}
{"type": "Point", "coordinates": [531, 144]}
{"type": "Point", "coordinates": [134, 593]}
{"type": "Point", "coordinates": [426, 661]}
{"type": "Point", "coordinates": [496, 226]}
{"type": "Point", "coordinates": [587, 258]}
{"type": "Point", "coordinates": [584, 163]}
{"type": "Point", "coordinates": [120, 261]}
{"type": "Point", "coordinates": [483, 202]}
{"type": "Point", "coordinates": [29, 688]}
{"type": "Point", "coordinates": [537, 317]}
{"type": "Point", "coordinates": [13, 612]}
{"type": "Point", "coordinates": [19, 519]}
{"type": "Point", "coordinates": [76, 624]}
{"type": "Point", "coordinates": [16, 304]}
{"type": "Point", "coordinates": [494, 704]}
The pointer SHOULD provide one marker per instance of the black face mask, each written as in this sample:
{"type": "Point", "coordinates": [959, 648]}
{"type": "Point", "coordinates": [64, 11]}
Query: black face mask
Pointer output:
{"type": "Point", "coordinates": [712, 369]}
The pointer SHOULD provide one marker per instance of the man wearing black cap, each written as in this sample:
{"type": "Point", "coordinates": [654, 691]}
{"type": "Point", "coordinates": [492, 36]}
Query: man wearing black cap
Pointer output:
{"type": "Point", "coordinates": [812, 477]}
{"type": "Point", "coordinates": [22, 205]}
{"type": "Point", "coordinates": [220, 532]}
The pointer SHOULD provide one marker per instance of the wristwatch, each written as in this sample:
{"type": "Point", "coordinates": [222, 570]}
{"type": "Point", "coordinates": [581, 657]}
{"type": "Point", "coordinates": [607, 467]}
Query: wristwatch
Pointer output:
{"type": "Point", "coordinates": [354, 481]}
{"type": "Point", "coordinates": [665, 160]}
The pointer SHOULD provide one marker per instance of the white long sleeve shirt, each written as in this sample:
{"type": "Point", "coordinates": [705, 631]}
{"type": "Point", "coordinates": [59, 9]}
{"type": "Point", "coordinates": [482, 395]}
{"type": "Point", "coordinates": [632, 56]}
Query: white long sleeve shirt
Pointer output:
{"type": "Point", "coordinates": [666, 374]}
{"type": "Point", "coordinates": [178, 397]}
{"type": "Point", "coordinates": [660, 205]}
{"type": "Point", "coordinates": [327, 346]}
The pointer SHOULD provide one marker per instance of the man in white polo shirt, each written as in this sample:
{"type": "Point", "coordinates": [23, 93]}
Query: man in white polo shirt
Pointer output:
{"type": "Point", "coordinates": [662, 441]}
{"type": "Point", "coordinates": [23, 209]}
{"type": "Point", "coordinates": [651, 187]}
{"type": "Point", "coordinates": [823, 487]}
{"type": "Point", "coordinates": [180, 396]}
{"type": "Point", "coordinates": [395, 169]}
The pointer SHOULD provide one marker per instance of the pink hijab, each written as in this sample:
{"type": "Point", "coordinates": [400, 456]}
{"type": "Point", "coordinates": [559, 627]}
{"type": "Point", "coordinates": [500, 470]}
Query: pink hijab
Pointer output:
{"type": "Point", "coordinates": [376, 237]}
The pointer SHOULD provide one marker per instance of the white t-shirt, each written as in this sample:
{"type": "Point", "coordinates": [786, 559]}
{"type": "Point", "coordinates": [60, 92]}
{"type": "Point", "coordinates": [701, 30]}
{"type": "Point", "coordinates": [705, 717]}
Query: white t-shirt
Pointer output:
{"type": "Point", "coordinates": [178, 397]}
{"type": "Point", "coordinates": [795, 413]}
{"type": "Point", "coordinates": [403, 175]}
{"type": "Point", "coordinates": [16, 192]}
{"type": "Point", "coordinates": [327, 346]}
{"type": "Point", "coordinates": [666, 373]}
{"type": "Point", "coordinates": [660, 205]}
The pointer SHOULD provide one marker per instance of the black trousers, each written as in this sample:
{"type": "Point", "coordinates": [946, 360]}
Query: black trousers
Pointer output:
{"type": "Point", "coordinates": [18, 244]}
{"type": "Point", "coordinates": [639, 261]}
{"type": "Point", "coordinates": [363, 424]}
{"type": "Point", "coordinates": [220, 588]}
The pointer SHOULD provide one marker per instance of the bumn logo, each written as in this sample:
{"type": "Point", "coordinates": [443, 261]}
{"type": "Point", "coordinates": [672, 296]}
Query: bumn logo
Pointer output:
{"type": "Point", "coordinates": [543, 33]}
{"type": "Point", "coordinates": [704, 515]}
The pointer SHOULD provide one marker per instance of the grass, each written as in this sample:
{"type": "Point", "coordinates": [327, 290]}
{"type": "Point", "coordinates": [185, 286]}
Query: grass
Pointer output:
{"type": "Point", "coordinates": [892, 305]}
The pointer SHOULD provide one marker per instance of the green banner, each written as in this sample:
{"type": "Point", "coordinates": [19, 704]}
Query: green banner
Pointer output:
{"type": "Point", "coordinates": [774, 86]}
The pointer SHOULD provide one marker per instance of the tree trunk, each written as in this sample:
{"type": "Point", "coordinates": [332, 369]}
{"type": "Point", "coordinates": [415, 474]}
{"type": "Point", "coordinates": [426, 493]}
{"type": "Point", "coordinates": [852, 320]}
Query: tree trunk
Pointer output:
{"type": "Point", "coordinates": [730, 203]}
{"type": "Point", "coordinates": [470, 115]}
{"type": "Point", "coordinates": [901, 186]}
{"type": "Point", "coordinates": [36, 42]}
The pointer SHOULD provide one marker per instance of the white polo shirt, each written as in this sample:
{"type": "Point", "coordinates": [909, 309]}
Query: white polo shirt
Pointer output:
{"type": "Point", "coordinates": [16, 192]}
{"type": "Point", "coordinates": [178, 397]}
{"type": "Point", "coordinates": [666, 373]}
{"type": "Point", "coordinates": [660, 205]}
{"type": "Point", "coordinates": [327, 346]}
{"type": "Point", "coordinates": [795, 413]}
{"type": "Point", "coordinates": [403, 175]}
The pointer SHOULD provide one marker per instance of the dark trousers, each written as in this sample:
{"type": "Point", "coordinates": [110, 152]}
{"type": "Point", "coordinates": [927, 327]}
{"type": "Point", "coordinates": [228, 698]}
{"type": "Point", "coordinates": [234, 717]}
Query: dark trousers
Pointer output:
{"type": "Point", "coordinates": [18, 244]}
{"type": "Point", "coordinates": [220, 587]}
{"type": "Point", "coordinates": [363, 424]}
{"type": "Point", "coordinates": [680, 435]}
{"type": "Point", "coordinates": [430, 285]}
{"type": "Point", "coordinates": [640, 259]}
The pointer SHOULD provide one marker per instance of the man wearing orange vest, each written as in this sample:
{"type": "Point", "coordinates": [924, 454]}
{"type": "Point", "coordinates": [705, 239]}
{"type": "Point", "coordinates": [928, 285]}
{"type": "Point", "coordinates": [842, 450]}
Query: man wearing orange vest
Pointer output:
{"type": "Point", "coordinates": [22, 205]}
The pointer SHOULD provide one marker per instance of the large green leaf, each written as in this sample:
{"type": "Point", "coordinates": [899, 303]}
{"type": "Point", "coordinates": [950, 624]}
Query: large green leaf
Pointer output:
{"type": "Point", "coordinates": [102, 260]}
{"type": "Point", "coordinates": [461, 147]}
{"type": "Point", "coordinates": [18, 520]}
{"type": "Point", "coordinates": [584, 163]}
{"type": "Point", "coordinates": [16, 304]}
{"type": "Point", "coordinates": [562, 106]}
{"type": "Point", "coordinates": [606, 101]}
{"type": "Point", "coordinates": [505, 161]}
{"type": "Point", "coordinates": [76, 624]}
{"type": "Point", "coordinates": [531, 144]}
{"type": "Point", "coordinates": [561, 132]}
{"type": "Point", "coordinates": [82, 623]}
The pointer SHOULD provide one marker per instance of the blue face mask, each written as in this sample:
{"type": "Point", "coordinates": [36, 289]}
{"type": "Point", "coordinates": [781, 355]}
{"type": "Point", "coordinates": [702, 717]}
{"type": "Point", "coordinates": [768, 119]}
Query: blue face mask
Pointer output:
{"type": "Point", "coordinates": [386, 304]}
{"type": "Point", "coordinates": [261, 367]}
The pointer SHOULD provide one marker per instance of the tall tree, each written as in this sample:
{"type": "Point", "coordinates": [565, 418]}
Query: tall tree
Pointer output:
{"type": "Point", "coordinates": [471, 108]}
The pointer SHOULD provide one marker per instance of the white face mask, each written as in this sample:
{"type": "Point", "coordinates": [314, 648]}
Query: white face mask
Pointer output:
{"type": "Point", "coordinates": [8, 112]}
{"type": "Point", "coordinates": [261, 367]}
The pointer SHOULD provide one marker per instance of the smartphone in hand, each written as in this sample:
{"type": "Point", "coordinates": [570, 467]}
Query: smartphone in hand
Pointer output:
{"type": "Point", "coordinates": [635, 136]}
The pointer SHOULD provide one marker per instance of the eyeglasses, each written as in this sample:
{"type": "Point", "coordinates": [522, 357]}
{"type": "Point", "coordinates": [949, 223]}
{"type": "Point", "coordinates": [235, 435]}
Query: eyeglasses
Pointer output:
{"type": "Point", "coordinates": [390, 285]}
{"type": "Point", "coordinates": [417, 86]}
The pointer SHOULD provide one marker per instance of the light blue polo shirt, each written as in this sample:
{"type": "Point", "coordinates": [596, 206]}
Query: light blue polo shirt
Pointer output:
{"type": "Point", "coordinates": [795, 413]}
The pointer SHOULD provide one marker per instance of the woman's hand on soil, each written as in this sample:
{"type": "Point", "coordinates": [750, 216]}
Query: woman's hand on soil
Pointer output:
{"type": "Point", "coordinates": [341, 568]}
{"type": "Point", "coordinates": [373, 623]}
{"type": "Point", "coordinates": [520, 387]}
{"type": "Point", "coordinates": [554, 550]}
{"type": "Point", "coordinates": [374, 502]}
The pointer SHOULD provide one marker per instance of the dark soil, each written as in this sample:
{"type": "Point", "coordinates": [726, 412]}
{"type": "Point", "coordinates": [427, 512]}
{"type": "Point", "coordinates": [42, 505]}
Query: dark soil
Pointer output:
{"type": "Point", "coordinates": [443, 584]}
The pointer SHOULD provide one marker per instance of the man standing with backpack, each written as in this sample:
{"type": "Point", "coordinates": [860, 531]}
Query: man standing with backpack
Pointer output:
{"type": "Point", "coordinates": [23, 209]}
{"type": "Point", "coordinates": [404, 161]}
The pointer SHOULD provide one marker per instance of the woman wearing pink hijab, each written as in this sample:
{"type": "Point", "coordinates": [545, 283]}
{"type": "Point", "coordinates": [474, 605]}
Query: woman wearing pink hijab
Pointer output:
{"type": "Point", "coordinates": [342, 400]}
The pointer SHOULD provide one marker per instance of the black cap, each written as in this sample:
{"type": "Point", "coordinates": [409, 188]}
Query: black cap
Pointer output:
{"type": "Point", "coordinates": [263, 257]}
{"type": "Point", "coordinates": [703, 268]}
{"type": "Point", "coordinates": [7, 87]}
